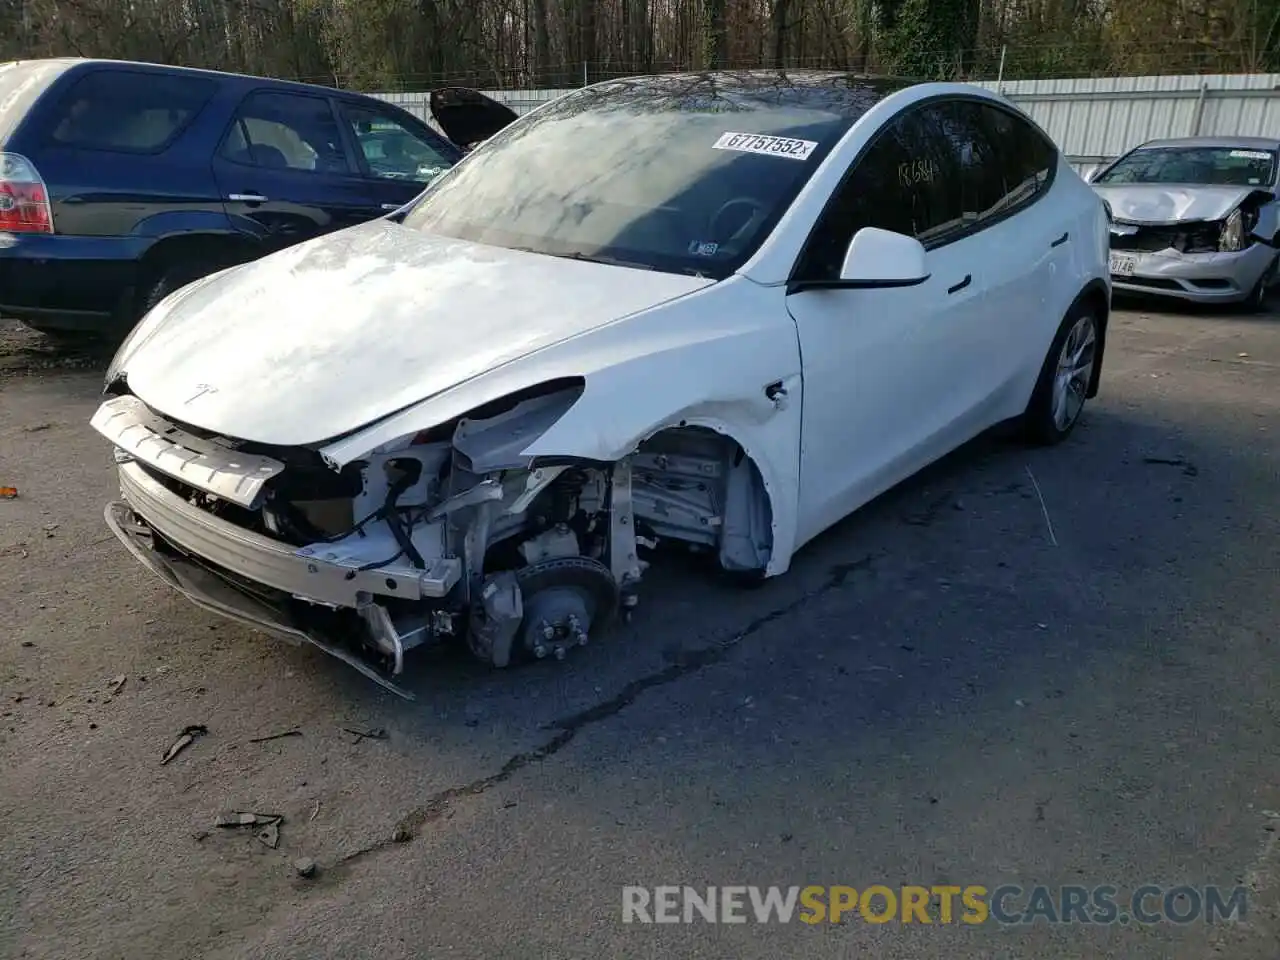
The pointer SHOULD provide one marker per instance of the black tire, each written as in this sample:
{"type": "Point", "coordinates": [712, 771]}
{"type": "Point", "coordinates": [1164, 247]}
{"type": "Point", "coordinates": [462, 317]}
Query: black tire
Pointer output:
{"type": "Point", "coordinates": [1041, 422]}
{"type": "Point", "coordinates": [1256, 302]}
{"type": "Point", "coordinates": [171, 277]}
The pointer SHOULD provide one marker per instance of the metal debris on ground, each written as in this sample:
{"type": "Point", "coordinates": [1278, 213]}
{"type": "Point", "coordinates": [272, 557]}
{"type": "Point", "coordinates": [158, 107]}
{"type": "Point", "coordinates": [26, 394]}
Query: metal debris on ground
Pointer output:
{"type": "Point", "coordinates": [276, 736]}
{"type": "Point", "coordinates": [377, 733]}
{"type": "Point", "coordinates": [267, 824]}
{"type": "Point", "coordinates": [316, 811]}
{"type": "Point", "coordinates": [185, 739]}
{"type": "Point", "coordinates": [8, 493]}
{"type": "Point", "coordinates": [116, 684]}
{"type": "Point", "coordinates": [305, 867]}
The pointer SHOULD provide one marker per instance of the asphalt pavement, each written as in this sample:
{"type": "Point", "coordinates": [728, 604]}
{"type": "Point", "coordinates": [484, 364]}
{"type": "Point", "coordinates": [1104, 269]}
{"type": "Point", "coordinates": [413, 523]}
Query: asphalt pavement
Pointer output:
{"type": "Point", "coordinates": [1024, 667]}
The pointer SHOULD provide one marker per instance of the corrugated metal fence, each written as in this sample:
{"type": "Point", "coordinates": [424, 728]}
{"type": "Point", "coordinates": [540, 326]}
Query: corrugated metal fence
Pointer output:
{"type": "Point", "coordinates": [1092, 119]}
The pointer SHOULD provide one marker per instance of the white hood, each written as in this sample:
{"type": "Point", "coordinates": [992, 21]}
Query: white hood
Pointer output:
{"type": "Point", "coordinates": [333, 334]}
{"type": "Point", "coordinates": [1160, 204]}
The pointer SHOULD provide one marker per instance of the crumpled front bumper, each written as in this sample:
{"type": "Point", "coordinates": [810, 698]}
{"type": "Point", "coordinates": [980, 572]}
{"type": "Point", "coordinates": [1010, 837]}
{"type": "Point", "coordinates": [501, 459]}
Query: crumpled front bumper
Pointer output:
{"type": "Point", "coordinates": [201, 544]}
{"type": "Point", "coordinates": [1193, 277]}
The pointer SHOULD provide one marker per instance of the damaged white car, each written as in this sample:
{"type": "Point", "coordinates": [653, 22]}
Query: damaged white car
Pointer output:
{"type": "Point", "coordinates": [1195, 219]}
{"type": "Point", "coordinates": [719, 310]}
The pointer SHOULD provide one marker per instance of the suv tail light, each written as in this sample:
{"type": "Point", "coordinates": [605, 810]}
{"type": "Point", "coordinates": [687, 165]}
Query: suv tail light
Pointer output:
{"type": "Point", "coordinates": [24, 201]}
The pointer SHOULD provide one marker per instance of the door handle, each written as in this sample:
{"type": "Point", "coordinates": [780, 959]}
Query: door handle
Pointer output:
{"type": "Point", "coordinates": [246, 198]}
{"type": "Point", "coordinates": [1061, 240]}
{"type": "Point", "coordinates": [968, 278]}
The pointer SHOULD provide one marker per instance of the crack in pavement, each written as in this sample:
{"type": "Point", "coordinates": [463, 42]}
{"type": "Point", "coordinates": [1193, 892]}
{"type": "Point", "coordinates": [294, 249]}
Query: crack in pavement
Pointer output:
{"type": "Point", "coordinates": [439, 804]}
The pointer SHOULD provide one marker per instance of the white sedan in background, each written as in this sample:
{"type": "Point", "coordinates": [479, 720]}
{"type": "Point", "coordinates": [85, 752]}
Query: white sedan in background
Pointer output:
{"type": "Point", "coordinates": [724, 310]}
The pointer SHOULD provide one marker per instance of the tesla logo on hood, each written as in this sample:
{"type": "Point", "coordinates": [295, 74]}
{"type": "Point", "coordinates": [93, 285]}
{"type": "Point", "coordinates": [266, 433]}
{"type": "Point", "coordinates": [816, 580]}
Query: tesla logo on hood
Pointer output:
{"type": "Point", "coordinates": [201, 390]}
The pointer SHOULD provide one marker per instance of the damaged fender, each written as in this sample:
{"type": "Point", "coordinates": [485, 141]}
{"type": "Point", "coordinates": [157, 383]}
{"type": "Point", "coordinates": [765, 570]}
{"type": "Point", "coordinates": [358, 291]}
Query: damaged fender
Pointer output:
{"type": "Point", "coordinates": [735, 373]}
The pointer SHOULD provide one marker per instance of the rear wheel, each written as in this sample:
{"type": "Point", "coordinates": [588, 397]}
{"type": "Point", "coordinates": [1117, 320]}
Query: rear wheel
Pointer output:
{"type": "Point", "coordinates": [1059, 396]}
{"type": "Point", "coordinates": [170, 277]}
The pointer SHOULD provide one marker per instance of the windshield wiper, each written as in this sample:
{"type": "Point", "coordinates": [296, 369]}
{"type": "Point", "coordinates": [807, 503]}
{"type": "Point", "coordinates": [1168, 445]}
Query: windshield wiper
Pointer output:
{"type": "Point", "coordinates": [611, 261]}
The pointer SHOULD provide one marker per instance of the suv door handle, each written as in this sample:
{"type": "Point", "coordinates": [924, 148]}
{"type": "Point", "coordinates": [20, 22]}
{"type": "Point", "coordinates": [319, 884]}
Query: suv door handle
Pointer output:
{"type": "Point", "coordinates": [968, 278]}
{"type": "Point", "coordinates": [246, 198]}
{"type": "Point", "coordinates": [1061, 240]}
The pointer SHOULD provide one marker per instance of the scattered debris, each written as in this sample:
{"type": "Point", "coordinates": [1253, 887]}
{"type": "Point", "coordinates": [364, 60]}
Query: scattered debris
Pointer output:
{"type": "Point", "coordinates": [116, 684]}
{"type": "Point", "coordinates": [49, 528]}
{"type": "Point", "coordinates": [1043, 509]}
{"type": "Point", "coordinates": [200, 836]}
{"type": "Point", "coordinates": [28, 643]}
{"type": "Point", "coordinates": [305, 867]}
{"type": "Point", "coordinates": [276, 736]}
{"type": "Point", "coordinates": [315, 811]}
{"type": "Point", "coordinates": [1242, 356]}
{"type": "Point", "coordinates": [185, 739]}
{"type": "Point", "coordinates": [37, 428]}
{"type": "Point", "coordinates": [270, 834]}
{"type": "Point", "coordinates": [8, 493]}
{"type": "Point", "coordinates": [1188, 469]}
{"type": "Point", "coordinates": [268, 825]}
{"type": "Point", "coordinates": [377, 733]}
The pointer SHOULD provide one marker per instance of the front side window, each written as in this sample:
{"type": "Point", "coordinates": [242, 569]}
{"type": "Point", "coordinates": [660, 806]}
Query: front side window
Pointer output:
{"type": "Point", "coordinates": [678, 174]}
{"type": "Point", "coordinates": [391, 150]}
{"type": "Point", "coordinates": [129, 111]}
{"type": "Point", "coordinates": [1213, 166]}
{"type": "Point", "coordinates": [905, 181]}
{"type": "Point", "coordinates": [285, 131]}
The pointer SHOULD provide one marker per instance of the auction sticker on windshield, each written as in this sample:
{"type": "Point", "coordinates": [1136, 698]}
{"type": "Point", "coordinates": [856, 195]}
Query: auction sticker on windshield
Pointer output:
{"type": "Point", "coordinates": [1251, 154]}
{"type": "Point", "coordinates": [769, 146]}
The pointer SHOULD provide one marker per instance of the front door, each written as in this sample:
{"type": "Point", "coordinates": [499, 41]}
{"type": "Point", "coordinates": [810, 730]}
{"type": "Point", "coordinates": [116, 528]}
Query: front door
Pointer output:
{"type": "Point", "coordinates": [398, 154]}
{"type": "Point", "coordinates": [285, 173]}
{"type": "Point", "coordinates": [889, 373]}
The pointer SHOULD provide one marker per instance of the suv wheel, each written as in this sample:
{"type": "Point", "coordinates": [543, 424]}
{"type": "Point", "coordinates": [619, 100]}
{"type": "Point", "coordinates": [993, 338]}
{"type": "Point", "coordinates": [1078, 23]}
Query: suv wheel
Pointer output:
{"type": "Point", "coordinates": [173, 277]}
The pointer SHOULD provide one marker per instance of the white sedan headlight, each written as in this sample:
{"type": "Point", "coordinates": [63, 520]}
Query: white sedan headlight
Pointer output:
{"type": "Point", "coordinates": [1232, 239]}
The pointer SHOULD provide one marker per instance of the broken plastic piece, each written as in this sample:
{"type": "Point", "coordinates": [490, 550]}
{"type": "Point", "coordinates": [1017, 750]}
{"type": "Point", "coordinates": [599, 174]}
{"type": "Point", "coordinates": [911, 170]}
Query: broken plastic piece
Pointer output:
{"type": "Point", "coordinates": [268, 825]}
{"type": "Point", "coordinates": [8, 493]}
{"type": "Point", "coordinates": [185, 739]}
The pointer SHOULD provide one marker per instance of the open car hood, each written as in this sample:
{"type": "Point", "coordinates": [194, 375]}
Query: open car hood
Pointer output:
{"type": "Point", "coordinates": [1161, 203]}
{"type": "Point", "coordinates": [467, 117]}
{"type": "Point", "coordinates": [331, 335]}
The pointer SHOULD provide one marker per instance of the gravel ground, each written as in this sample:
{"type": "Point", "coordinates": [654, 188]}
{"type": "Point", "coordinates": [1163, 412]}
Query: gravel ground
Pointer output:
{"type": "Point", "coordinates": [940, 691]}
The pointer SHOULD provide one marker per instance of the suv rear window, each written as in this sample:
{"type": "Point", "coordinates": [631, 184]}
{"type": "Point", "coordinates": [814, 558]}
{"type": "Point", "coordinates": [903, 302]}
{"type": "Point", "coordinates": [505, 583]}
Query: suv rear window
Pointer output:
{"type": "Point", "coordinates": [128, 111]}
{"type": "Point", "coordinates": [21, 84]}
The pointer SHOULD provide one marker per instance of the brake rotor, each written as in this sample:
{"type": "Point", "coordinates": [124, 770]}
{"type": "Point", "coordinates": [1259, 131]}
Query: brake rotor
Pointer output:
{"type": "Point", "coordinates": [563, 599]}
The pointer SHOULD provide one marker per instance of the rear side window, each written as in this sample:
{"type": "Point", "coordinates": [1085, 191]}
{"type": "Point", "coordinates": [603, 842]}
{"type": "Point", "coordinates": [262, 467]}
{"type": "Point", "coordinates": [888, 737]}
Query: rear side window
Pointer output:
{"type": "Point", "coordinates": [1028, 158]}
{"type": "Point", "coordinates": [286, 131]}
{"type": "Point", "coordinates": [127, 111]}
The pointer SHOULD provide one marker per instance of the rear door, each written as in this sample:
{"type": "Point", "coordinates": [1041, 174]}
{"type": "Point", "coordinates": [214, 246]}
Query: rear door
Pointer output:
{"type": "Point", "coordinates": [285, 172]}
{"type": "Point", "coordinates": [398, 154]}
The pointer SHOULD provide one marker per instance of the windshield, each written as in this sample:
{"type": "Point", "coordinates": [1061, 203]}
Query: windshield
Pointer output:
{"type": "Point", "coordinates": [679, 174]}
{"type": "Point", "coordinates": [1213, 166]}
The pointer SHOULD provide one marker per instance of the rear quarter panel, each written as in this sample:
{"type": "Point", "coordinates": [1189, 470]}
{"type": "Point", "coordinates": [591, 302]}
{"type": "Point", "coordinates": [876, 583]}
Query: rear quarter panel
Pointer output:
{"type": "Point", "coordinates": [104, 193]}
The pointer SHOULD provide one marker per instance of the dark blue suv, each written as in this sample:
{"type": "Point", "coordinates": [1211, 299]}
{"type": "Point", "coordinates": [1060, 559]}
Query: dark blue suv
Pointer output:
{"type": "Point", "coordinates": [121, 182]}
